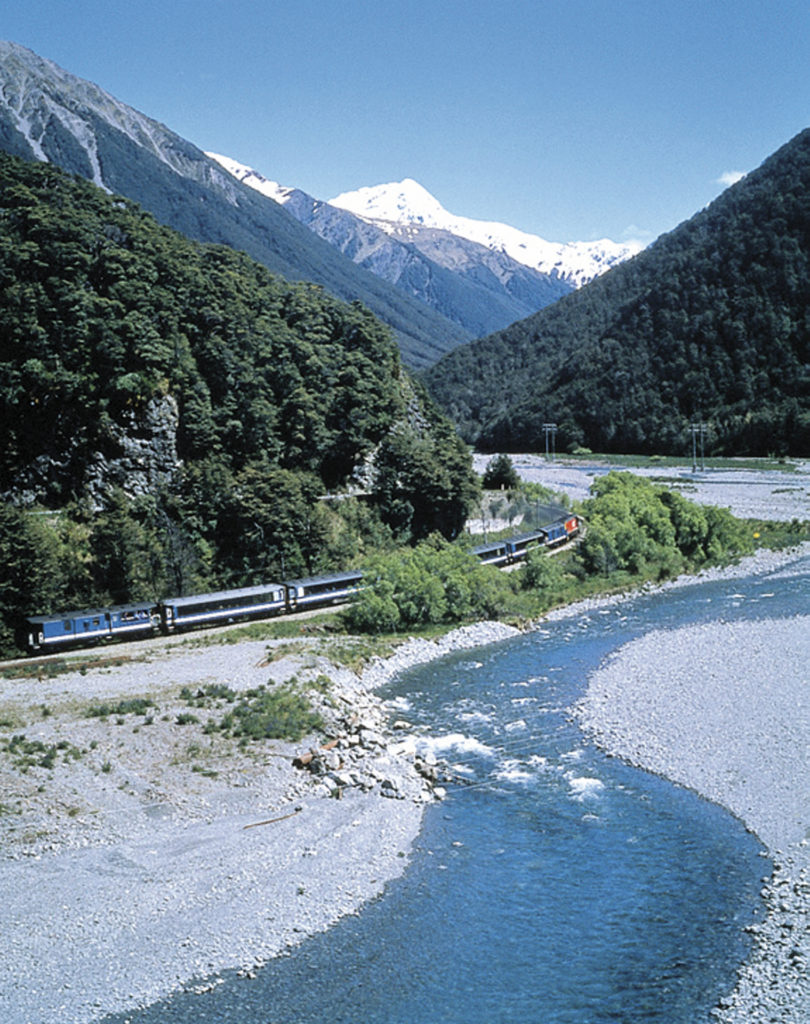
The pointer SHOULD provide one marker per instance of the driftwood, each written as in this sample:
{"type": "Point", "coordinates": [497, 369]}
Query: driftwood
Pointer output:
{"type": "Point", "coordinates": [304, 759]}
{"type": "Point", "coordinates": [271, 821]}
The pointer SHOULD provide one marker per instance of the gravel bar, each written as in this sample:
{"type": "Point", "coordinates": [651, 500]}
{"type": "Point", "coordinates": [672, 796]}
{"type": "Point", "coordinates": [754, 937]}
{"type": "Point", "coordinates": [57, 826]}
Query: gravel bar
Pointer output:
{"type": "Point", "coordinates": [724, 709]}
{"type": "Point", "coordinates": [165, 855]}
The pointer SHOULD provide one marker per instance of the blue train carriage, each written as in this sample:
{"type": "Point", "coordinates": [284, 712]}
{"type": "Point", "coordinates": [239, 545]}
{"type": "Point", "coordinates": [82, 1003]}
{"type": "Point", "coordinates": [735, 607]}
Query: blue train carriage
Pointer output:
{"type": "Point", "coordinates": [496, 553]}
{"type": "Point", "coordinates": [223, 606]}
{"type": "Point", "coordinates": [90, 625]}
{"type": "Point", "coordinates": [519, 546]}
{"type": "Point", "coordinates": [313, 591]}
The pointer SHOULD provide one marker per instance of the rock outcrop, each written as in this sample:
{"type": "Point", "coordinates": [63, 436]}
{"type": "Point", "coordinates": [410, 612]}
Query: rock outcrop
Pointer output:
{"type": "Point", "coordinates": [141, 453]}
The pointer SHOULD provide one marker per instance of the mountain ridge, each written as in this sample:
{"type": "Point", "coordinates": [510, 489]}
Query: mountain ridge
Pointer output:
{"type": "Point", "coordinates": [478, 287]}
{"type": "Point", "coordinates": [397, 205]}
{"type": "Point", "coordinates": [709, 324]}
{"type": "Point", "coordinates": [48, 113]}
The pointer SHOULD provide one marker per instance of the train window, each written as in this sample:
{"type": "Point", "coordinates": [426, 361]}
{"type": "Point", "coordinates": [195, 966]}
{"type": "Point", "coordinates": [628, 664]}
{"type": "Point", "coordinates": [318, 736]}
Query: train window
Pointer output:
{"type": "Point", "coordinates": [68, 625]}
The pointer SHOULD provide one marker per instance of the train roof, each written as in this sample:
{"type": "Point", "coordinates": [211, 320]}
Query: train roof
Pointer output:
{"type": "Point", "coordinates": [493, 545]}
{"type": "Point", "coordinates": [76, 614]}
{"type": "Point", "coordinates": [548, 514]}
{"type": "Point", "coordinates": [219, 595]}
{"type": "Point", "coordinates": [332, 577]}
{"type": "Point", "coordinates": [86, 613]}
{"type": "Point", "coordinates": [540, 532]}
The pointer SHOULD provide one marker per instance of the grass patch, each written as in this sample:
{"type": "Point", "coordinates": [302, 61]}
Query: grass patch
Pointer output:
{"type": "Point", "coordinates": [48, 669]}
{"type": "Point", "coordinates": [36, 670]}
{"type": "Point", "coordinates": [212, 695]}
{"type": "Point", "coordinates": [281, 628]}
{"type": "Point", "coordinates": [777, 536]}
{"type": "Point", "coordinates": [129, 706]}
{"type": "Point", "coordinates": [280, 712]}
{"type": "Point", "coordinates": [25, 753]}
{"type": "Point", "coordinates": [354, 651]}
{"type": "Point", "coordinates": [681, 461]}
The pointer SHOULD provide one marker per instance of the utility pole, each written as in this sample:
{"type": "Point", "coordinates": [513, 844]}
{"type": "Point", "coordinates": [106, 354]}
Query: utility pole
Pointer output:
{"type": "Point", "coordinates": [550, 431]}
{"type": "Point", "coordinates": [698, 430]}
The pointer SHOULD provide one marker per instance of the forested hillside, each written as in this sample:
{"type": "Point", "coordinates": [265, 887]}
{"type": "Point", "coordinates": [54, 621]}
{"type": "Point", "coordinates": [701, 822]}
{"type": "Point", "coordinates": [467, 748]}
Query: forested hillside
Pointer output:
{"type": "Point", "coordinates": [173, 413]}
{"type": "Point", "coordinates": [709, 324]}
{"type": "Point", "coordinates": [48, 114]}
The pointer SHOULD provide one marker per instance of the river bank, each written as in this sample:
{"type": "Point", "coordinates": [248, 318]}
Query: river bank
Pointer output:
{"type": "Point", "coordinates": [153, 854]}
{"type": "Point", "coordinates": [725, 710]}
{"type": "Point", "coordinates": [166, 856]}
{"type": "Point", "coordinates": [161, 855]}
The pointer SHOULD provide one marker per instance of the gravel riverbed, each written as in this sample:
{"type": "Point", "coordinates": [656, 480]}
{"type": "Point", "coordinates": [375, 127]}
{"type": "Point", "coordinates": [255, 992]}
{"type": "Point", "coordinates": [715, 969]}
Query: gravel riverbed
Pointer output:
{"type": "Point", "coordinates": [777, 494]}
{"type": "Point", "coordinates": [154, 854]}
{"type": "Point", "coordinates": [724, 709]}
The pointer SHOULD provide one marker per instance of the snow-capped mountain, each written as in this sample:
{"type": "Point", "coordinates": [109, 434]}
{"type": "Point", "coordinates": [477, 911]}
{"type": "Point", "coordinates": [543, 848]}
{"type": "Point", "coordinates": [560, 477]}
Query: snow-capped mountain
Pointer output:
{"type": "Point", "coordinates": [406, 204]}
{"type": "Point", "coordinates": [479, 288]}
{"type": "Point", "coordinates": [257, 181]}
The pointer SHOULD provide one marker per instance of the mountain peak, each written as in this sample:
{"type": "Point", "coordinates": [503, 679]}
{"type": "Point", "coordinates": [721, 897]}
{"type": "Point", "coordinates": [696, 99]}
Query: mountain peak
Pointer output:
{"type": "Point", "coordinates": [401, 202]}
{"type": "Point", "coordinates": [407, 202]}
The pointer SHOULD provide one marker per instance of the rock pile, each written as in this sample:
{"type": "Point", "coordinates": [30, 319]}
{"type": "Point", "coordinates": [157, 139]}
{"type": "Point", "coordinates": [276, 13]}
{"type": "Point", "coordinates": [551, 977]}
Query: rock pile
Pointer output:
{"type": "Point", "coordinates": [360, 755]}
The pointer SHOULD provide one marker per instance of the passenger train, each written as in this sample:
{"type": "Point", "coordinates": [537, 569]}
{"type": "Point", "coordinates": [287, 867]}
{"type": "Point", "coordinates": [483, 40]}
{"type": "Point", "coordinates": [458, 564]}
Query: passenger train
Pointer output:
{"type": "Point", "coordinates": [147, 618]}
{"type": "Point", "coordinates": [515, 549]}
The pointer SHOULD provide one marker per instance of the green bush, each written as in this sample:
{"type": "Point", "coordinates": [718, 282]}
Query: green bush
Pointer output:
{"type": "Point", "coordinates": [282, 712]}
{"type": "Point", "coordinates": [435, 582]}
{"type": "Point", "coordinates": [542, 574]}
{"type": "Point", "coordinates": [637, 527]}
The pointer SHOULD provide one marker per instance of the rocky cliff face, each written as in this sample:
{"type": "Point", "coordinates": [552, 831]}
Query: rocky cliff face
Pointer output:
{"type": "Point", "coordinates": [53, 116]}
{"type": "Point", "coordinates": [139, 455]}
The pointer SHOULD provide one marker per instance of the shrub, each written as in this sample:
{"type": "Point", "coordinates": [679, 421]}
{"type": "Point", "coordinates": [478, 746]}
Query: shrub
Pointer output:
{"type": "Point", "coordinates": [435, 582]}
{"type": "Point", "coordinates": [128, 706]}
{"type": "Point", "coordinates": [542, 574]}
{"type": "Point", "coordinates": [282, 712]}
{"type": "Point", "coordinates": [638, 527]}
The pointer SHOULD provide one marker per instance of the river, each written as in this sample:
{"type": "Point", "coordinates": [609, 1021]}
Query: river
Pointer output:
{"type": "Point", "coordinates": [554, 884]}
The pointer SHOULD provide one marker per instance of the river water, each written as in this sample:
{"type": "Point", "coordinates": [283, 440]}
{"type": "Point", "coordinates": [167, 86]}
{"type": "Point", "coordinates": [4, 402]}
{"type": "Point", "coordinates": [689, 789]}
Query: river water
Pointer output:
{"type": "Point", "coordinates": [554, 884]}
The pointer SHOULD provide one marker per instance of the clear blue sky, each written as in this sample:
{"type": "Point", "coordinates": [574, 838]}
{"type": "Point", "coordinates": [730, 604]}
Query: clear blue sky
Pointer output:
{"type": "Point", "coordinates": [573, 119]}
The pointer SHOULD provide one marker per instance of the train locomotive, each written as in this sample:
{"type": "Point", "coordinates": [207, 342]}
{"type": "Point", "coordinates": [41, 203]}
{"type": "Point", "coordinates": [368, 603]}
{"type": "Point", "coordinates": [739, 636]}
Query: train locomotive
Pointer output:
{"type": "Point", "coordinates": [515, 549]}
